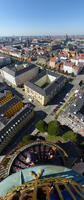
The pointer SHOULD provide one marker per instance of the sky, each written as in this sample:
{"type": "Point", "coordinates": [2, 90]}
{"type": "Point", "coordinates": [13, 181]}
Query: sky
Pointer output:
{"type": "Point", "coordinates": [41, 17]}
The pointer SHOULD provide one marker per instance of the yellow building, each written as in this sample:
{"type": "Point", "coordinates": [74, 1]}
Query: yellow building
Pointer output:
{"type": "Point", "coordinates": [45, 86]}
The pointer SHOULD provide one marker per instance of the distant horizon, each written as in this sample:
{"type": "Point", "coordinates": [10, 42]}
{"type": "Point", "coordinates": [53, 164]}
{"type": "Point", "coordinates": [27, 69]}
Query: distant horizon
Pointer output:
{"type": "Point", "coordinates": [44, 35]}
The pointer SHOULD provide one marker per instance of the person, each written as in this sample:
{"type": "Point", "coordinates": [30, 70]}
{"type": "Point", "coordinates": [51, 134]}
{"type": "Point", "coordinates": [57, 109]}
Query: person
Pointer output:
{"type": "Point", "coordinates": [28, 160]}
{"type": "Point", "coordinates": [32, 164]}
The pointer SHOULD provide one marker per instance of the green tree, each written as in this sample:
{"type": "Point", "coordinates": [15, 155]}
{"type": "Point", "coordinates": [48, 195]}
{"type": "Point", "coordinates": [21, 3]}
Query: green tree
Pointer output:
{"type": "Point", "coordinates": [72, 74]}
{"type": "Point", "coordinates": [70, 135]}
{"type": "Point", "coordinates": [62, 71]}
{"type": "Point", "coordinates": [58, 69]}
{"type": "Point", "coordinates": [49, 67]}
{"type": "Point", "coordinates": [82, 145]}
{"type": "Point", "coordinates": [66, 72]}
{"type": "Point", "coordinates": [54, 128]}
{"type": "Point", "coordinates": [41, 126]}
{"type": "Point", "coordinates": [17, 47]}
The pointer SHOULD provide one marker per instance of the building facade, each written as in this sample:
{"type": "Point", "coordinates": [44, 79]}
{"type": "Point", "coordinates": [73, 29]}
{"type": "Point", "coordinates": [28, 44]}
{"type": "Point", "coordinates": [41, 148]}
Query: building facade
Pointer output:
{"type": "Point", "coordinates": [45, 86]}
{"type": "Point", "coordinates": [70, 67]}
{"type": "Point", "coordinates": [16, 76]}
{"type": "Point", "coordinates": [4, 61]}
{"type": "Point", "coordinates": [14, 114]}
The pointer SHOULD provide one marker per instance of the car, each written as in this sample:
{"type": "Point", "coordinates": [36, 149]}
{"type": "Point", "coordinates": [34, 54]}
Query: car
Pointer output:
{"type": "Point", "coordinates": [61, 102]}
{"type": "Point", "coordinates": [30, 100]}
{"type": "Point", "coordinates": [57, 108]}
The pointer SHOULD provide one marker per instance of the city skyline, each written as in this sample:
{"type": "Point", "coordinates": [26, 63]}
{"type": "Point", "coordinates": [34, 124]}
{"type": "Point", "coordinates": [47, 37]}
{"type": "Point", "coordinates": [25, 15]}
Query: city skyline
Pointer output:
{"type": "Point", "coordinates": [21, 18]}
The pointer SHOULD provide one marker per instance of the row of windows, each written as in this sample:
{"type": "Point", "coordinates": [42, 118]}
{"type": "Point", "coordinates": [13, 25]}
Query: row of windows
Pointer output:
{"type": "Point", "coordinates": [10, 130]}
{"type": "Point", "coordinates": [34, 94]}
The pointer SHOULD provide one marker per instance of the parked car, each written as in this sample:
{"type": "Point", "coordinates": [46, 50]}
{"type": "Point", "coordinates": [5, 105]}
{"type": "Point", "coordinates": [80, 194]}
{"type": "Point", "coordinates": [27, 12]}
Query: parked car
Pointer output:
{"type": "Point", "coordinates": [57, 108]}
{"type": "Point", "coordinates": [61, 102]}
{"type": "Point", "coordinates": [30, 100]}
{"type": "Point", "coordinates": [67, 95]}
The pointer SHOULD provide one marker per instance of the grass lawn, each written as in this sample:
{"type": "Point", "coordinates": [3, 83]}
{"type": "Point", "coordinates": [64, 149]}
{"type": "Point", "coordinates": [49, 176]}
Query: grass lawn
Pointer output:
{"type": "Point", "coordinates": [52, 138]}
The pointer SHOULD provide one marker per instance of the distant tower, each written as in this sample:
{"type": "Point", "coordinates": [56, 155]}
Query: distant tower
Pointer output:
{"type": "Point", "coordinates": [28, 42]}
{"type": "Point", "coordinates": [67, 37]}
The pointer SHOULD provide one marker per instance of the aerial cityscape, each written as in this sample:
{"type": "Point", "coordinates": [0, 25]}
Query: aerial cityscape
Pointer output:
{"type": "Point", "coordinates": [41, 100]}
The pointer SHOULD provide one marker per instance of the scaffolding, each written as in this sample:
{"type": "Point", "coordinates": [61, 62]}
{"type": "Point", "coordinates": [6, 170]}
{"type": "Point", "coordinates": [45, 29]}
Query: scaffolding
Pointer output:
{"type": "Point", "coordinates": [6, 98]}
{"type": "Point", "coordinates": [13, 110]}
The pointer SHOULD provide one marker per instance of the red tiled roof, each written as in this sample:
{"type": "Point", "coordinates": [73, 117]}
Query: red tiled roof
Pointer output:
{"type": "Point", "coordinates": [76, 67]}
{"type": "Point", "coordinates": [81, 54]}
{"type": "Point", "coordinates": [72, 52]}
{"type": "Point", "coordinates": [69, 64]}
{"type": "Point", "coordinates": [74, 57]}
{"type": "Point", "coordinates": [81, 57]}
{"type": "Point", "coordinates": [53, 59]}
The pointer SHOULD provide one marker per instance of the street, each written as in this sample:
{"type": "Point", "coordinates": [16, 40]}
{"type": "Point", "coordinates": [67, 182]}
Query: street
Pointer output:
{"type": "Point", "coordinates": [42, 112]}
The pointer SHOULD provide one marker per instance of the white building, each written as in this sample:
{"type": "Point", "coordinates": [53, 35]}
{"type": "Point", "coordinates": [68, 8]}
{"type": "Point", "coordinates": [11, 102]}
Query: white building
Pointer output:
{"type": "Point", "coordinates": [18, 74]}
{"type": "Point", "coordinates": [70, 67]}
{"type": "Point", "coordinates": [81, 59]}
{"type": "Point", "coordinates": [64, 58]}
{"type": "Point", "coordinates": [15, 54]}
{"type": "Point", "coordinates": [75, 60]}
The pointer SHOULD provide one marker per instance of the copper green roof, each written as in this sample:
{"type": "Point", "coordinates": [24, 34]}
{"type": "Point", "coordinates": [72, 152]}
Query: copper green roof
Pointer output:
{"type": "Point", "coordinates": [24, 176]}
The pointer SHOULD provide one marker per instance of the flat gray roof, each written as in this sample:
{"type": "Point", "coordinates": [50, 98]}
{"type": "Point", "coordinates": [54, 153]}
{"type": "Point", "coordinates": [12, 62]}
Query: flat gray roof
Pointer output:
{"type": "Point", "coordinates": [76, 110]}
{"type": "Point", "coordinates": [7, 123]}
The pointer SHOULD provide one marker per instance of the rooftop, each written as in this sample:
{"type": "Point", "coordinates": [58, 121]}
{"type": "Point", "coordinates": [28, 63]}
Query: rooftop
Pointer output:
{"type": "Point", "coordinates": [78, 107]}
{"type": "Point", "coordinates": [37, 152]}
{"type": "Point", "coordinates": [56, 79]}
{"type": "Point", "coordinates": [43, 176]}
{"type": "Point", "coordinates": [69, 64]}
{"type": "Point", "coordinates": [17, 69]}
{"type": "Point", "coordinates": [12, 112]}
{"type": "Point", "coordinates": [53, 59]}
{"type": "Point", "coordinates": [81, 57]}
